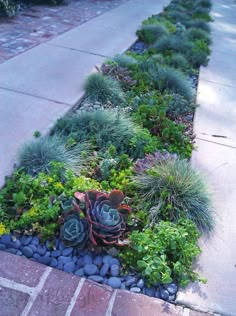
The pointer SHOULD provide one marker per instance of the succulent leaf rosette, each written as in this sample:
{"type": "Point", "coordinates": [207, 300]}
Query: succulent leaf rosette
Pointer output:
{"type": "Point", "coordinates": [105, 216]}
{"type": "Point", "coordinates": [74, 232]}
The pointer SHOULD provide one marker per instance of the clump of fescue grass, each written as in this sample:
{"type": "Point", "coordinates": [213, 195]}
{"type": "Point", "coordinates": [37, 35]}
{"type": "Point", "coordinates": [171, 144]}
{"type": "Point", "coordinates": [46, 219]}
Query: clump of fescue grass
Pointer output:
{"type": "Point", "coordinates": [203, 3]}
{"type": "Point", "coordinates": [179, 190]}
{"type": "Point", "coordinates": [179, 61]}
{"type": "Point", "coordinates": [179, 44]}
{"type": "Point", "coordinates": [200, 24]}
{"type": "Point", "coordinates": [124, 60]}
{"type": "Point", "coordinates": [194, 34]}
{"type": "Point", "coordinates": [149, 33]}
{"type": "Point", "coordinates": [168, 78]}
{"type": "Point", "coordinates": [102, 128]}
{"type": "Point", "coordinates": [37, 155]}
{"type": "Point", "coordinates": [103, 89]}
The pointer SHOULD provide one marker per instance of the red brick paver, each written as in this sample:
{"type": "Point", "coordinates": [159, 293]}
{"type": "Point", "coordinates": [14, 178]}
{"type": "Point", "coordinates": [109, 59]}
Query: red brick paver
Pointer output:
{"type": "Point", "coordinates": [19, 270]}
{"type": "Point", "coordinates": [12, 302]}
{"type": "Point", "coordinates": [93, 297]}
{"type": "Point", "coordinates": [56, 293]}
{"type": "Point", "coordinates": [38, 24]}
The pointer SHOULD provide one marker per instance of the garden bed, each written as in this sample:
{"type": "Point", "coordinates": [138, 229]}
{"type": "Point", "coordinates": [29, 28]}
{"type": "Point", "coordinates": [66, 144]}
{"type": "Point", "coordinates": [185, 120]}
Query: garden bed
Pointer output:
{"type": "Point", "coordinates": [110, 194]}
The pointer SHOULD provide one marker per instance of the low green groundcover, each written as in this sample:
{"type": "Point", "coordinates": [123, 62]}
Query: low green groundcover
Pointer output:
{"type": "Point", "coordinates": [115, 173]}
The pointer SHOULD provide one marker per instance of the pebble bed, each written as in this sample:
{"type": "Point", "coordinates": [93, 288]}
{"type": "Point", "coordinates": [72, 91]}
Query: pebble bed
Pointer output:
{"type": "Point", "coordinates": [102, 268]}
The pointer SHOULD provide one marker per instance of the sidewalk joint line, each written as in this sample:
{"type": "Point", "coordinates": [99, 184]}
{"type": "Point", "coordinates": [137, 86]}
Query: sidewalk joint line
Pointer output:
{"type": "Point", "coordinates": [35, 96]}
{"type": "Point", "coordinates": [74, 297]}
{"type": "Point", "coordinates": [36, 291]}
{"type": "Point", "coordinates": [220, 84]}
{"type": "Point", "coordinates": [78, 50]}
{"type": "Point", "coordinates": [16, 286]}
{"type": "Point", "coordinates": [111, 304]}
{"type": "Point", "coordinates": [210, 141]}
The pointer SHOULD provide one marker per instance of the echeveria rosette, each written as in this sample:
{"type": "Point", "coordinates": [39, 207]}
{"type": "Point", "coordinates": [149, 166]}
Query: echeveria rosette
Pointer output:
{"type": "Point", "coordinates": [106, 216]}
{"type": "Point", "coordinates": [74, 231]}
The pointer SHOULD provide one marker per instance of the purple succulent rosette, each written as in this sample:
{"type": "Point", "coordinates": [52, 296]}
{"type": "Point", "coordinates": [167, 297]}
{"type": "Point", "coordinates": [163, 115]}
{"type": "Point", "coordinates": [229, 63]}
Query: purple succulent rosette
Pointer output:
{"type": "Point", "coordinates": [105, 215]}
{"type": "Point", "coordinates": [151, 160]}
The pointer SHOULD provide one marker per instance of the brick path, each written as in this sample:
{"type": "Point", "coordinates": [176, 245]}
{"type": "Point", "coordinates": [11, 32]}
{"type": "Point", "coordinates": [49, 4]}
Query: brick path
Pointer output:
{"type": "Point", "coordinates": [38, 24]}
{"type": "Point", "coordinates": [28, 288]}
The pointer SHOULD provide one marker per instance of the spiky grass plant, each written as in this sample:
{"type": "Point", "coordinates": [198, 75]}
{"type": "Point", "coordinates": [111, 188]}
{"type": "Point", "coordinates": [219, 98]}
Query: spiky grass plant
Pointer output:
{"type": "Point", "coordinates": [124, 60]}
{"type": "Point", "coordinates": [179, 44]}
{"type": "Point", "coordinates": [101, 127]}
{"type": "Point", "coordinates": [174, 189]}
{"type": "Point", "coordinates": [194, 34]}
{"type": "Point", "coordinates": [198, 23]}
{"type": "Point", "coordinates": [37, 155]}
{"type": "Point", "coordinates": [179, 61]}
{"type": "Point", "coordinates": [149, 33]}
{"type": "Point", "coordinates": [203, 3]}
{"type": "Point", "coordinates": [103, 89]}
{"type": "Point", "coordinates": [168, 78]}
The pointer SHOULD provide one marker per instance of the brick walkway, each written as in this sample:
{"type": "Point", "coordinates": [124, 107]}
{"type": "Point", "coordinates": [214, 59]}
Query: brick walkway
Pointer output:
{"type": "Point", "coordinates": [38, 24]}
{"type": "Point", "coordinates": [28, 288]}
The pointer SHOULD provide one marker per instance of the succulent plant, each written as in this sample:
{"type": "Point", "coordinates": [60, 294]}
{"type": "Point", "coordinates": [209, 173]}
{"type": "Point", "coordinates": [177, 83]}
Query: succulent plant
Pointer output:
{"type": "Point", "coordinates": [105, 216]}
{"type": "Point", "coordinates": [151, 160]}
{"type": "Point", "coordinates": [121, 74]}
{"type": "Point", "coordinates": [74, 232]}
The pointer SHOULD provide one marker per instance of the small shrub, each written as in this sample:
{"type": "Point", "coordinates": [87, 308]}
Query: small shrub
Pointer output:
{"type": "Point", "coordinates": [164, 253]}
{"type": "Point", "coordinates": [103, 89]}
{"type": "Point", "coordinates": [37, 155]}
{"type": "Point", "coordinates": [142, 143]}
{"type": "Point", "coordinates": [169, 135]}
{"type": "Point", "coordinates": [194, 34]}
{"type": "Point", "coordinates": [124, 60]}
{"type": "Point", "coordinates": [175, 190]}
{"type": "Point", "coordinates": [178, 105]}
{"type": "Point", "coordinates": [168, 78]}
{"type": "Point", "coordinates": [150, 33]}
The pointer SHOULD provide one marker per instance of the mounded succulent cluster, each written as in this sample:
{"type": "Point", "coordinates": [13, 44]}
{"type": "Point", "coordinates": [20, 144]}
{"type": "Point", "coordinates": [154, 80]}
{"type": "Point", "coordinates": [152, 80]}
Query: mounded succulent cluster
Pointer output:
{"type": "Point", "coordinates": [104, 219]}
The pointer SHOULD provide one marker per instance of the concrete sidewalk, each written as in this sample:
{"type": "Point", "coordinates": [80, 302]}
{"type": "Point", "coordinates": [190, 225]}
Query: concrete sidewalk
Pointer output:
{"type": "Point", "coordinates": [215, 127]}
{"type": "Point", "coordinates": [43, 83]}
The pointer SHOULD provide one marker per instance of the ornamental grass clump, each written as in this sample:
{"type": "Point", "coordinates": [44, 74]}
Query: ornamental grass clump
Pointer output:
{"type": "Point", "coordinates": [149, 33]}
{"type": "Point", "coordinates": [174, 189]}
{"type": "Point", "coordinates": [169, 78]}
{"type": "Point", "coordinates": [176, 43]}
{"type": "Point", "coordinates": [103, 89]}
{"type": "Point", "coordinates": [124, 60]}
{"type": "Point", "coordinates": [37, 155]}
{"type": "Point", "coordinates": [194, 34]}
{"type": "Point", "coordinates": [204, 4]}
{"type": "Point", "coordinates": [178, 61]}
{"type": "Point", "coordinates": [198, 23]}
{"type": "Point", "coordinates": [102, 128]}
